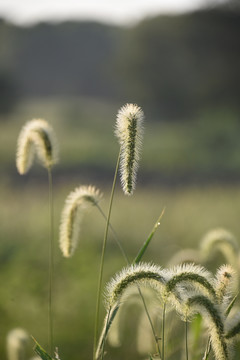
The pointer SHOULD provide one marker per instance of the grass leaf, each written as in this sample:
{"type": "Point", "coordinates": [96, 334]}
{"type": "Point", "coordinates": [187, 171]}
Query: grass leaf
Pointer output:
{"type": "Point", "coordinates": [146, 243]}
{"type": "Point", "coordinates": [41, 352]}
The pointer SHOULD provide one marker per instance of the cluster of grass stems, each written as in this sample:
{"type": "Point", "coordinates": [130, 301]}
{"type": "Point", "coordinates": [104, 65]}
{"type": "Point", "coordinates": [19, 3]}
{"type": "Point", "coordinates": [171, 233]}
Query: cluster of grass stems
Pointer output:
{"type": "Point", "coordinates": [185, 288]}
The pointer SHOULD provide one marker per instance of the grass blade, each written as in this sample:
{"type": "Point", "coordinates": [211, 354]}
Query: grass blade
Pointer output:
{"type": "Point", "coordinates": [40, 351]}
{"type": "Point", "coordinates": [147, 242]}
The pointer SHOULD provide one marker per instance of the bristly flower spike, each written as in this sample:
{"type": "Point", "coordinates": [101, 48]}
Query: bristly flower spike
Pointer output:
{"type": "Point", "coordinates": [17, 341]}
{"type": "Point", "coordinates": [75, 205]}
{"type": "Point", "coordinates": [129, 131]}
{"type": "Point", "coordinates": [36, 137]}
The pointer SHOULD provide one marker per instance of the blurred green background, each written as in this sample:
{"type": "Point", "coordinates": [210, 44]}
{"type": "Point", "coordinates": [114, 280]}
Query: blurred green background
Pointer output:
{"type": "Point", "coordinates": [184, 72]}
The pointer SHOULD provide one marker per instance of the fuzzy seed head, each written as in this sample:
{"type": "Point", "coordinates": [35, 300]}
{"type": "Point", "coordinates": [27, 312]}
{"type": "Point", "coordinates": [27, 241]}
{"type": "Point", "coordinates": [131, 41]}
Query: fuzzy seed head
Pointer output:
{"type": "Point", "coordinates": [36, 138]}
{"type": "Point", "coordinates": [146, 274]}
{"type": "Point", "coordinates": [17, 341]}
{"type": "Point", "coordinates": [233, 326]}
{"type": "Point", "coordinates": [214, 320]}
{"type": "Point", "coordinates": [77, 202]}
{"type": "Point", "coordinates": [191, 277]}
{"type": "Point", "coordinates": [222, 240]}
{"type": "Point", "coordinates": [129, 131]}
{"type": "Point", "coordinates": [223, 284]}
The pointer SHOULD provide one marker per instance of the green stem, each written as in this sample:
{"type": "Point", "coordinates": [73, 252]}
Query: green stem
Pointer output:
{"type": "Point", "coordinates": [51, 263]}
{"type": "Point", "coordinates": [150, 322]}
{"type": "Point", "coordinates": [186, 338]}
{"type": "Point", "coordinates": [208, 349]}
{"type": "Point", "coordinates": [102, 258]}
{"type": "Point", "coordinates": [104, 340]}
{"type": "Point", "coordinates": [163, 328]}
{"type": "Point", "coordinates": [115, 235]}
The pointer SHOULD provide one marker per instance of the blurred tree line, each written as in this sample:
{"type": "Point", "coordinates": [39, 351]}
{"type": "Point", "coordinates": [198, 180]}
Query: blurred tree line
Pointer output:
{"type": "Point", "coordinates": [174, 66]}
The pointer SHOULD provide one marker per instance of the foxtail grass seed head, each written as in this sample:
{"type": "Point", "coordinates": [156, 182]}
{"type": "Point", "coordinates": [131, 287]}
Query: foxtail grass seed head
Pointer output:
{"type": "Point", "coordinates": [75, 206]}
{"type": "Point", "coordinates": [223, 241]}
{"type": "Point", "coordinates": [17, 340]}
{"type": "Point", "coordinates": [214, 320]}
{"type": "Point", "coordinates": [184, 256]}
{"type": "Point", "coordinates": [233, 326]}
{"type": "Point", "coordinates": [129, 131]}
{"type": "Point", "coordinates": [142, 273]}
{"type": "Point", "coordinates": [224, 282]}
{"type": "Point", "coordinates": [36, 138]}
{"type": "Point", "coordinates": [191, 277]}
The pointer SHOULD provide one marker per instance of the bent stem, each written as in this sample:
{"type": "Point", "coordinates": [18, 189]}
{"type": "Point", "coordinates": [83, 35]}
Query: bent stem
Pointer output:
{"type": "Point", "coordinates": [186, 338]}
{"type": "Point", "coordinates": [51, 264]}
{"type": "Point", "coordinates": [102, 257]}
{"type": "Point", "coordinates": [208, 349]}
{"type": "Point", "coordinates": [163, 328]}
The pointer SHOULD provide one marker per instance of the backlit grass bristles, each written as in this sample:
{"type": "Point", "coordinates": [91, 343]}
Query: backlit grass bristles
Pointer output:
{"type": "Point", "coordinates": [214, 320]}
{"type": "Point", "coordinates": [17, 340]}
{"type": "Point", "coordinates": [129, 131]}
{"type": "Point", "coordinates": [146, 274]}
{"type": "Point", "coordinates": [76, 203]}
{"type": "Point", "coordinates": [233, 327]}
{"type": "Point", "coordinates": [224, 282]}
{"type": "Point", "coordinates": [222, 240]}
{"type": "Point", "coordinates": [191, 276]}
{"type": "Point", "coordinates": [36, 137]}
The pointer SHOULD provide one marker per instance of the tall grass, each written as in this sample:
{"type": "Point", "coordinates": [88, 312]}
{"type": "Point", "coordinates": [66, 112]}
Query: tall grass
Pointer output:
{"type": "Point", "coordinates": [185, 292]}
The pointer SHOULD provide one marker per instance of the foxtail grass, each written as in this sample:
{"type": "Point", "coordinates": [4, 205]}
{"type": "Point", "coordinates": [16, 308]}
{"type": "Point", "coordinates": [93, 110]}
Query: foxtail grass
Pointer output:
{"type": "Point", "coordinates": [223, 241]}
{"type": "Point", "coordinates": [214, 320]}
{"type": "Point", "coordinates": [17, 340]}
{"type": "Point", "coordinates": [37, 139]}
{"type": "Point", "coordinates": [129, 131]}
{"type": "Point", "coordinates": [76, 204]}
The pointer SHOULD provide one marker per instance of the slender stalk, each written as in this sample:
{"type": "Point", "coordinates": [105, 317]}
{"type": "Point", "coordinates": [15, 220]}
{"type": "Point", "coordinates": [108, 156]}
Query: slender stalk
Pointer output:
{"type": "Point", "coordinates": [208, 349]}
{"type": "Point", "coordinates": [102, 257]}
{"type": "Point", "coordinates": [186, 338]}
{"type": "Point", "coordinates": [104, 340]}
{"type": "Point", "coordinates": [163, 328]}
{"type": "Point", "coordinates": [51, 263]}
{"type": "Point", "coordinates": [150, 322]}
{"type": "Point", "coordinates": [156, 339]}
{"type": "Point", "coordinates": [115, 235]}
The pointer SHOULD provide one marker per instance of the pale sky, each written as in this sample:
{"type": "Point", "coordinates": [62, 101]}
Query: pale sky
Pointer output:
{"type": "Point", "coordinates": [113, 11]}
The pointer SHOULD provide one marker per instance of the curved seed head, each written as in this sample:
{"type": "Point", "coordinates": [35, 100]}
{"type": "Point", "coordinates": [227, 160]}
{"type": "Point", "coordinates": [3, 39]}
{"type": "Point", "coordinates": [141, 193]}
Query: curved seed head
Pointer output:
{"type": "Point", "coordinates": [76, 204]}
{"type": "Point", "coordinates": [36, 138]}
{"type": "Point", "coordinates": [147, 274]}
{"type": "Point", "coordinates": [193, 277]}
{"type": "Point", "coordinates": [214, 320]}
{"type": "Point", "coordinates": [224, 282]}
{"type": "Point", "coordinates": [129, 131]}
{"type": "Point", "coordinates": [17, 340]}
{"type": "Point", "coordinates": [222, 240]}
{"type": "Point", "coordinates": [233, 326]}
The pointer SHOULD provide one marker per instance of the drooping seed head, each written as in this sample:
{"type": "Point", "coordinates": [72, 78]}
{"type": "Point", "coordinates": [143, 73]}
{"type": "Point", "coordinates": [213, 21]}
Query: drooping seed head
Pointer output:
{"type": "Point", "coordinates": [214, 319]}
{"type": "Point", "coordinates": [17, 341]}
{"type": "Point", "coordinates": [222, 240]}
{"type": "Point", "coordinates": [224, 282]}
{"type": "Point", "coordinates": [147, 274]}
{"type": "Point", "coordinates": [129, 131]}
{"type": "Point", "coordinates": [76, 204]}
{"type": "Point", "coordinates": [36, 138]}
{"type": "Point", "coordinates": [233, 326]}
{"type": "Point", "coordinates": [192, 277]}
{"type": "Point", "coordinates": [184, 256]}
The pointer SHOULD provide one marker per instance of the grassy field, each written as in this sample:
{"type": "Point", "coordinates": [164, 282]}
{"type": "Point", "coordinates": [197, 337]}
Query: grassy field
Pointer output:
{"type": "Point", "coordinates": [189, 214]}
{"type": "Point", "coordinates": [86, 138]}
